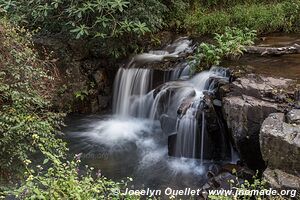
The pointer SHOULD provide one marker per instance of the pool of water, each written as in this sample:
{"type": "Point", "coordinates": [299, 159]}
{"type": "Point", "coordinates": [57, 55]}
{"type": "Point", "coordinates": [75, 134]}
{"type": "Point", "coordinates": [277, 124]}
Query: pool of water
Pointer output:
{"type": "Point", "coordinates": [135, 147]}
{"type": "Point", "coordinates": [286, 66]}
{"type": "Point", "coordinates": [130, 147]}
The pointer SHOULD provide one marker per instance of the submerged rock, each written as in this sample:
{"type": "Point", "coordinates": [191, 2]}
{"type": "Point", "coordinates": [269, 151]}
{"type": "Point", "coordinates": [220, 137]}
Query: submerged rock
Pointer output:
{"type": "Point", "coordinates": [280, 143]}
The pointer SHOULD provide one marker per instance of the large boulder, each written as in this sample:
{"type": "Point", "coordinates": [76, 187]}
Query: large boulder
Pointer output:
{"type": "Point", "coordinates": [244, 116]}
{"type": "Point", "coordinates": [247, 102]}
{"type": "Point", "coordinates": [280, 143]}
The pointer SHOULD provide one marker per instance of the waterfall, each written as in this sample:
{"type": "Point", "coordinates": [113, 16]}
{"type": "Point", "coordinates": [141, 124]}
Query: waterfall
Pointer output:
{"type": "Point", "coordinates": [191, 135]}
{"type": "Point", "coordinates": [130, 86]}
{"type": "Point", "coordinates": [179, 103]}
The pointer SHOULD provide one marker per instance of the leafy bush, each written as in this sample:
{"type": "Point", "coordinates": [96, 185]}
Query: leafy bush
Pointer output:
{"type": "Point", "coordinates": [231, 44]}
{"type": "Point", "coordinates": [110, 21]}
{"type": "Point", "coordinates": [65, 180]}
{"type": "Point", "coordinates": [82, 18]}
{"type": "Point", "coordinates": [27, 124]}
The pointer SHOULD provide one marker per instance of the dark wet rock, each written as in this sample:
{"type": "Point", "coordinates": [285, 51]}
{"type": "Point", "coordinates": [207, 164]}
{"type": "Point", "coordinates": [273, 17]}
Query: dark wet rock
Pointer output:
{"type": "Point", "coordinates": [244, 116]}
{"type": "Point", "coordinates": [293, 117]}
{"type": "Point", "coordinates": [280, 144]}
{"type": "Point", "coordinates": [225, 181]}
{"type": "Point", "coordinates": [297, 99]}
{"type": "Point", "coordinates": [80, 72]}
{"type": "Point", "coordinates": [101, 79]}
{"type": "Point", "coordinates": [297, 95]}
{"type": "Point", "coordinates": [217, 102]}
{"type": "Point", "coordinates": [79, 49]}
{"type": "Point", "coordinates": [168, 123]}
{"type": "Point", "coordinates": [281, 180]}
{"type": "Point", "coordinates": [186, 103]}
{"type": "Point", "coordinates": [225, 177]}
{"type": "Point", "coordinates": [104, 102]}
{"type": "Point", "coordinates": [247, 102]}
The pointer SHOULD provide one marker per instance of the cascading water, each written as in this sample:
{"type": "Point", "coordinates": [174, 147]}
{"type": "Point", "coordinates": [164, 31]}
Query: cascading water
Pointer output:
{"type": "Point", "coordinates": [133, 98]}
{"type": "Point", "coordinates": [156, 118]}
{"type": "Point", "coordinates": [130, 86]}
{"type": "Point", "coordinates": [189, 136]}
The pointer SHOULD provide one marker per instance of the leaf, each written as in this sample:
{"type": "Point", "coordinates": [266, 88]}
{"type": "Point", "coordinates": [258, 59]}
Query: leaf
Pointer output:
{"type": "Point", "coordinates": [45, 161]}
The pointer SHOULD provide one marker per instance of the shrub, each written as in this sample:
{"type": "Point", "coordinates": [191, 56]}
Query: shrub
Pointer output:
{"type": "Point", "coordinates": [230, 44]}
{"type": "Point", "coordinates": [66, 180]}
{"type": "Point", "coordinates": [27, 124]}
{"type": "Point", "coordinates": [110, 21]}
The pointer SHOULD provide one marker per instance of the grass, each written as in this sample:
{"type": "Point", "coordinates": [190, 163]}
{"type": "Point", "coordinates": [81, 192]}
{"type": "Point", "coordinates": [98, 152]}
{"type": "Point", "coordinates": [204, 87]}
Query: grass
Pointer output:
{"type": "Point", "coordinates": [262, 17]}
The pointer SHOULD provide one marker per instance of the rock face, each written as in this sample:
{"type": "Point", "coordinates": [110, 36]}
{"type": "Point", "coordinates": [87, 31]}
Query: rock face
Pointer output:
{"type": "Point", "coordinates": [280, 143]}
{"type": "Point", "coordinates": [247, 103]}
{"type": "Point", "coordinates": [293, 117]}
{"type": "Point", "coordinates": [281, 180]}
{"type": "Point", "coordinates": [86, 78]}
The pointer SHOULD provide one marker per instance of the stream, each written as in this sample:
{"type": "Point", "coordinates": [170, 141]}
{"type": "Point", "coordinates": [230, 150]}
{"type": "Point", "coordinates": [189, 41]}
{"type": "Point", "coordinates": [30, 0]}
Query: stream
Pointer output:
{"type": "Point", "coordinates": [147, 138]}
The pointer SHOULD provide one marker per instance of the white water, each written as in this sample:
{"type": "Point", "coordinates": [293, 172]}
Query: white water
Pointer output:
{"type": "Point", "coordinates": [132, 100]}
{"type": "Point", "coordinates": [130, 86]}
{"type": "Point", "coordinates": [138, 107]}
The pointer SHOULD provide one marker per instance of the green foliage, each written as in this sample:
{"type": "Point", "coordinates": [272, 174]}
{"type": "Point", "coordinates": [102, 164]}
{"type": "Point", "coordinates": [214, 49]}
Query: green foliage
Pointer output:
{"type": "Point", "coordinates": [207, 23]}
{"type": "Point", "coordinates": [291, 8]}
{"type": "Point", "coordinates": [66, 180]}
{"type": "Point", "coordinates": [26, 123]}
{"type": "Point", "coordinates": [262, 17]}
{"type": "Point", "coordinates": [231, 44]}
{"type": "Point", "coordinates": [82, 18]}
{"type": "Point", "coordinates": [229, 3]}
{"type": "Point", "coordinates": [27, 126]}
{"type": "Point", "coordinates": [81, 94]}
{"type": "Point", "coordinates": [110, 21]}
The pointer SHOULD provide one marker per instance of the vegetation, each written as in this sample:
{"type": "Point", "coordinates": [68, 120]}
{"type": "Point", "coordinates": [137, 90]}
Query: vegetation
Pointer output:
{"type": "Point", "coordinates": [262, 17]}
{"type": "Point", "coordinates": [65, 180]}
{"type": "Point", "coordinates": [110, 21]}
{"type": "Point", "coordinates": [230, 44]}
{"type": "Point", "coordinates": [247, 190]}
{"type": "Point", "coordinates": [27, 125]}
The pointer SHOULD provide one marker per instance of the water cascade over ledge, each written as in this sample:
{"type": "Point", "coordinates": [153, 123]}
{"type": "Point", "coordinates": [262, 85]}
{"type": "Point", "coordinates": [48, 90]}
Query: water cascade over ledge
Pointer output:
{"type": "Point", "coordinates": [166, 124]}
{"type": "Point", "coordinates": [180, 104]}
